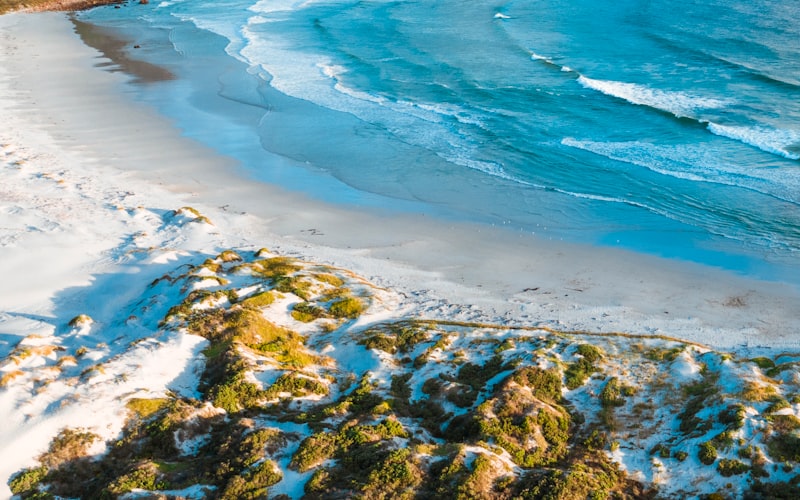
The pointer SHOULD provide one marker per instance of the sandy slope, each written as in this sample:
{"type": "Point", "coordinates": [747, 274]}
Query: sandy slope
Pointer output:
{"type": "Point", "coordinates": [88, 183]}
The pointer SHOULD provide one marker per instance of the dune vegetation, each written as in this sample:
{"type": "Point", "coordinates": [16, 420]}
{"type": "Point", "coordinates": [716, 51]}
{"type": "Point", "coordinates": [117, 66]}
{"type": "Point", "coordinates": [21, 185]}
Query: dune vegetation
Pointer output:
{"type": "Point", "coordinates": [440, 409]}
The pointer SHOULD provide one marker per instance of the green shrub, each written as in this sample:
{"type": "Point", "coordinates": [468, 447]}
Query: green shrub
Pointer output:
{"type": "Point", "coordinates": [729, 467]}
{"type": "Point", "coordinates": [27, 480]}
{"type": "Point", "coordinates": [314, 450]}
{"type": "Point", "coordinates": [589, 352]}
{"type": "Point", "coordinates": [399, 387]}
{"type": "Point", "coordinates": [144, 408]}
{"type": "Point", "coordinates": [707, 453]}
{"type": "Point", "coordinates": [432, 386]}
{"type": "Point", "coordinates": [293, 284]}
{"type": "Point", "coordinates": [253, 484]}
{"type": "Point", "coordinates": [395, 337]}
{"type": "Point", "coordinates": [319, 482]}
{"type": "Point", "coordinates": [698, 393]}
{"type": "Point", "coordinates": [611, 395]}
{"type": "Point", "coordinates": [390, 428]}
{"type": "Point", "coordinates": [296, 385]}
{"type": "Point", "coordinates": [784, 447]}
{"type": "Point", "coordinates": [597, 440]}
{"type": "Point", "coordinates": [275, 267]}
{"type": "Point", "coordinates": [733, 416]}
{"type": "Point", "coordinates": [330, 279]}
{"type": "Point", "coordinates": [763, 362]}
{"type": "Point", "coordinates": [546, 384]}
{"type": "Point", "coordinates": [663, 354]}
{"type": "Point", "coordinates": [306, 312]}
{"type": "Point", "coordinates": [393, 477]}
{"type": "Point", "coordinates": [144, 477]}
{"type": "Point", "coordinates": [577, 373]}
{"type": "Point", "coordinates": [661, 450]}
{"type": "Point", "coordinates": [236, 395]}
{"type": "Point", "coordinates": [348, 307]}
{"type": "Point", "coordinates": [259, 300]}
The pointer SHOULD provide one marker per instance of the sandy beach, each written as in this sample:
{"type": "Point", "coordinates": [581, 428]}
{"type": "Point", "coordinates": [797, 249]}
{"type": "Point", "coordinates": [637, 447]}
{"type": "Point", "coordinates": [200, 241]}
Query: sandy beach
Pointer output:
{"type": "Point", "coordinates": [87, 176]}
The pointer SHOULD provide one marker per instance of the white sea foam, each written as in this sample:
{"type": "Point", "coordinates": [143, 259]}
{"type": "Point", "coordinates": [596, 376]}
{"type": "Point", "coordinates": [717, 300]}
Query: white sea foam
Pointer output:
{"type": "Point", "coordinates": [271, 6]}
{"type": "Point", "coordinates": [771, 140]}
{"type": "Point", "coordinates": [679, 104]}
{"type": "Point", "coordinates": [500, 15]}
{"type": "Point", "coordinates": [695, 162]}
{"type": "Point", "coordinates": [663, 160]}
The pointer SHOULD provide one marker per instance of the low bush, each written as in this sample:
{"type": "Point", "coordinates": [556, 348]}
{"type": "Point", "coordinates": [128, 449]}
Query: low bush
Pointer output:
{"type": "Point", "coordinates": [729, 467]}
{"type": "Point", "coordinates": [306, 312]}
{"type": "Point", "coordinates": [545, 384]}
{"type": "Point", "coordinates": [27, 480]}
{"type": "Point", "coordinates": [347, 308]}
{"type": "Point", "coordinates": [611, 395]}
{"type": "Point", "coordinates": [400, 337]}
{"type": "Point", "coordinates": [68, 445]}
{"type": "Point", "coordinates": [144, 477]}
{"type": "Point", "coordinates": [707, 453]}
{"type": "Point", "coordinates": [259, 300]}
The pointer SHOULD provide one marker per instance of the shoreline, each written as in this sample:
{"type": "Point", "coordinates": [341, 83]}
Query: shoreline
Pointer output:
{"type": "Point", "coordinates": [91, 190]}
{"type": "Point", "coordinates": [555, 284]}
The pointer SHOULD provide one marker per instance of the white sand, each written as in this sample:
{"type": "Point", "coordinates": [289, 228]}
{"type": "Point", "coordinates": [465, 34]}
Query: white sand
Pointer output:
{"type": "Point", "coordinates": [86, 178]}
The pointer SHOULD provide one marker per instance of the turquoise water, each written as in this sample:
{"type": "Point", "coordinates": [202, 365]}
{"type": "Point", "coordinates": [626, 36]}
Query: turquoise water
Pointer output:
{"type": "Point", "coordinates": [669, 127]}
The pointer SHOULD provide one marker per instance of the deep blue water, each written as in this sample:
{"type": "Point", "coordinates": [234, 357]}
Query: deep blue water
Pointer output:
{"type": "Point", "coordinates": [670, 127]}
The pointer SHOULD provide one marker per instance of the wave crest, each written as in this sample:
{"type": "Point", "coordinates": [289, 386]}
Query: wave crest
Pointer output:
{"type": "Point", "coordinates": [780, 142]}
{"type": "Point", "coordinates": [680, 104]}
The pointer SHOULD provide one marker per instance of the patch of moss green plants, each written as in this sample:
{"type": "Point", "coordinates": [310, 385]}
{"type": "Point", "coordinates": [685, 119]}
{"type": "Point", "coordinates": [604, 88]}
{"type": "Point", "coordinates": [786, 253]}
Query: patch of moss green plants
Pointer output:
{"type": "Point", "coordinates": [306, 312]}
{"type": "Point", "coordinates": [26, 482]}
{"type": "Point", "coordinates": [707, 453]}
{"type": "Point", "coordinates": [145, 476]}
{"type": "Point", "coordinates": [763, 362]}
{"type": "Point", "coordinates": [275, 267]}
{"type": "Point", "coordinates": [144, 408]}
{"type": "Point", "coordinates": [296, 285]}
{"type": "Point", "coordinates": [699, 395]}
{"type": "Point", "coordinates": [728, 467]}
{"type": "Point", "coordinates": [612, 393]}
{"type": "Point", "coordinates": [392, 338]}
{"type": "Point", "coordinates": [258, 300]}
{"type": "Point", "coordinates": [758, 392]}
{"type": "Point", "coordinates": [329, 279]}
{"type": "Point", "coordinates": [733, 416]}
{"type": "Point", "coordinates": [578, 371]}
{"type": "Point", "coordinates": [346, 308]}
{"type": "Point", "coordinates": [545, 384]}
{"type": "Point", "coordinates": [296, 385]}
{"type": "Point", "coordinates": [664, 354]}
{"type": "Point", "coordinates": [472, 379]}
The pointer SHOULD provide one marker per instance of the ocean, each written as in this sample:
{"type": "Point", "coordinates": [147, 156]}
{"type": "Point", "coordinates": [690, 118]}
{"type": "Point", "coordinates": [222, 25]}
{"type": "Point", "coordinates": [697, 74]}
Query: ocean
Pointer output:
{"type": "Point", "coordinates": [665, 127]}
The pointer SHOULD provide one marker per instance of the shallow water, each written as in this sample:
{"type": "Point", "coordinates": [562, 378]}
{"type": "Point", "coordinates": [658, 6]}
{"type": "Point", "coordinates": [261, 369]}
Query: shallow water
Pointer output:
{"type": "Point", "coordinates": [671, 128]}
